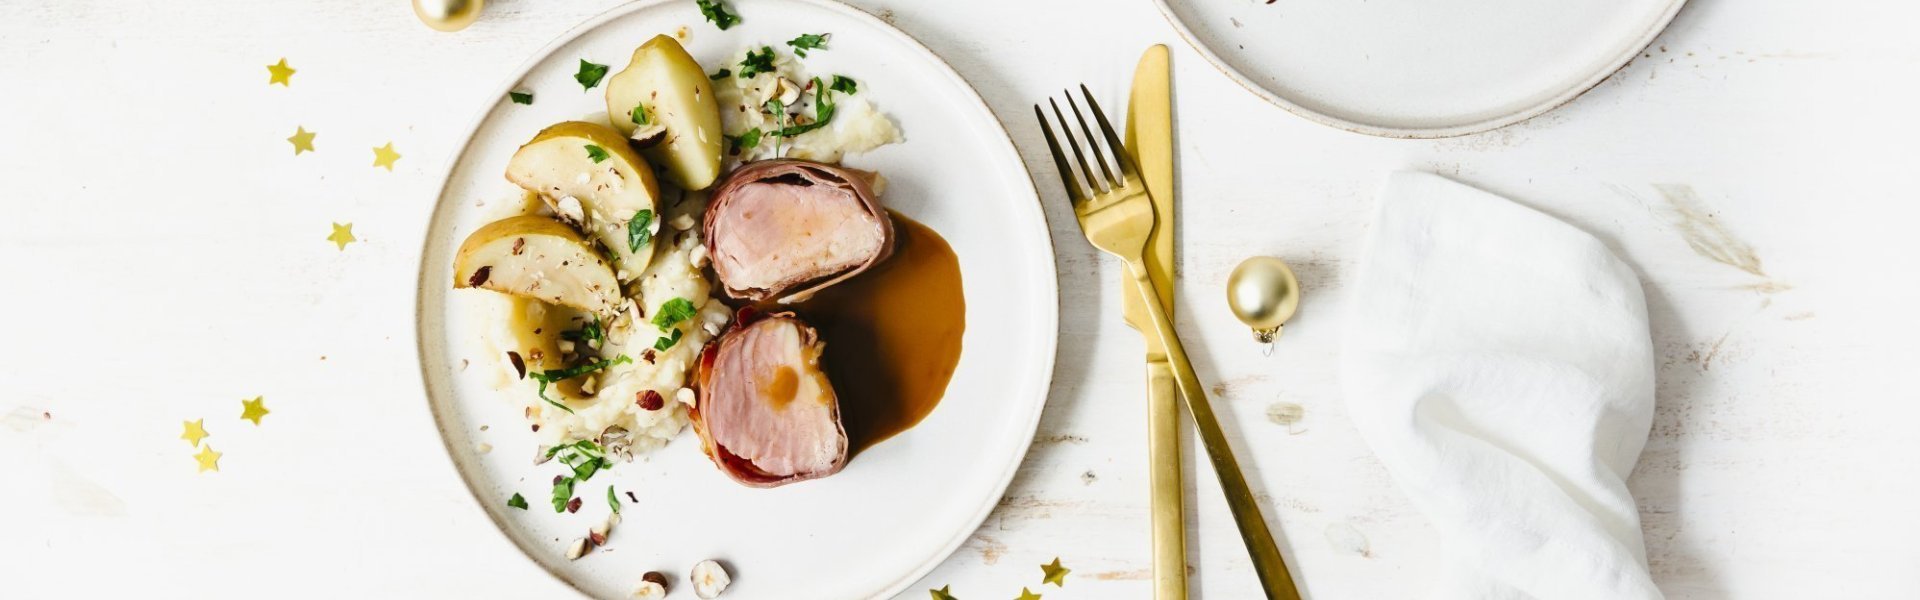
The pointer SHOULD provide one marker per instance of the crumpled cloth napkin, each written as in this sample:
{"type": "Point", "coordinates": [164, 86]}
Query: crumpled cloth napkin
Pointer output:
{"type": "Point", "coordinates": [1499, 363]}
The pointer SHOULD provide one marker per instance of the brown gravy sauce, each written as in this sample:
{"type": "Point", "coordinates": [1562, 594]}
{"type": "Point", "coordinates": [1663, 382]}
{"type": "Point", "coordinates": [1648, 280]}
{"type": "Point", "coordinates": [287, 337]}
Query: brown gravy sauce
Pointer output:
{"type": "Point", "coordinates": [892, 334]}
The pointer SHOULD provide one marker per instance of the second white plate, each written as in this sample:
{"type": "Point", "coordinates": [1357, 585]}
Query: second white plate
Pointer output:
{"type": "Point", "coordinates": [1419, 68]}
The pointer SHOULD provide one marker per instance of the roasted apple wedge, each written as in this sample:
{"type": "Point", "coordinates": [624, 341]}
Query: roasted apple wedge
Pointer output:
{"type": "Point", "coordinates": [539, 258]}
{"type": "Point", "coordinates": [592, 179]}
{"type": "Point", "coordinates": [666, 98]}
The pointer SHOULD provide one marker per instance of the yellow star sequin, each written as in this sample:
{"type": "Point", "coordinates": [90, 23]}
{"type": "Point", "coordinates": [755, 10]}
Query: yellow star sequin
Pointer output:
{"type": "Point", "coordinates": [302, 140]}
{"type": "Point", "coordinates": [384, 156]}
{"type": "Point", "coordinates": [209, 460]}
{"type": "Point", "coordinates": [342, 235]}
{"type": "Point", "coordinates": [1026, 595]}
{"type": "Point", "coordinates": [252, 410]}
{"type": "Point", "coordinates": [1055, 574]}
{"type": "Point", "coordinates": [280, 73]}
{"type": "Point", "coordinates": [942, 594]}
{"type": "Point", "coordinates": [193, 431]}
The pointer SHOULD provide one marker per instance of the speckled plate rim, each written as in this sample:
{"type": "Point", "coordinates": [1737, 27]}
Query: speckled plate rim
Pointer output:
{"type": "Point", "coordinates": [1048, 282]}
{"type": "Point", "coordinates": [1613, 65]}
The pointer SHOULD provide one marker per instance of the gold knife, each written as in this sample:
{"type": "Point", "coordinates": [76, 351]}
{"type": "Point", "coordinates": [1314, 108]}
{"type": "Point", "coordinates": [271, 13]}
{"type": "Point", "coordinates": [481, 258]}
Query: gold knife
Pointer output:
{"type": "Point", "coordinates": [1149, 138]}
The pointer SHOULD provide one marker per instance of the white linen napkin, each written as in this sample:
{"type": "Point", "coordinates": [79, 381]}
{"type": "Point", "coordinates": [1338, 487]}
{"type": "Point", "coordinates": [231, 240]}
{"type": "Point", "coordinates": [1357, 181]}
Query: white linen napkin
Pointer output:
{"type": "Point", "coordinates": [1499, 363]}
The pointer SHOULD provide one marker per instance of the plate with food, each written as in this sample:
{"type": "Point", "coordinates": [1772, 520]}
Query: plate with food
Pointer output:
{"type": "Point", "coordinates": [1419, 68]}
{"type": "Point", "coordinates": [745, 299]}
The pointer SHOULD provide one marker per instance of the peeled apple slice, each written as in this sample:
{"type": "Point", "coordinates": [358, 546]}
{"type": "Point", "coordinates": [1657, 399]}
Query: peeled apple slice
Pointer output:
{"type": "Point", "coordinates": [539, 258]}
{"type": "Point", "coordinates": [589, 175]}
{"type": "Point", "coordinates": [677, 96]}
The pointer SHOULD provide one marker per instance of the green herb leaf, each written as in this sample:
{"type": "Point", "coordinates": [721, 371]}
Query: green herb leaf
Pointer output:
{"type": "Point", "coordinates": [517, 501]}
{"type": "Point", "coordinates": [547, 377]}
{"type": "Point", "coordinates": [673, 312]}
{"type": "Point", "coordinates": [747, 141]}
{"type": "Point", "coordinates": [562, 492]}
{"type": "Point", "coordinates": [639, 230]}
{"type": "Point", "coordinates": [757, 62]}
{"type": "Point", "coordinates": [723, 73]}
{"type": "Point", "coordinates": [822, 113]}
{"type": "Point", "coordinates": [587, 333]}
{"type": "Point", "coordinates": [667, 341]}
{"type": "Point", "coordinates": [844, 85]}
{"type": "Point", "coordinates": [612, 501]}
{"type": "Point", "coordinates": [638, 115]}
{"type": "Point", "coordinates": [808, 41]}
{"type": "Point", "coordinates": [596, 153]}
{"type": "Point", "coordinates": [589, 74]}
{"type": "Point", "coordinates": [521, 97]}
{"type": "Point", "coordinates": [717, 13]}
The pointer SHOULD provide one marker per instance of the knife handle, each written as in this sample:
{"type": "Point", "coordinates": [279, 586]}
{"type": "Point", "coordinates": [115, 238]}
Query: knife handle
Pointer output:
{"type": "Point", "coordinates": [1168, 506]}
{"type": "Point", "coordinates": [1267, 562]}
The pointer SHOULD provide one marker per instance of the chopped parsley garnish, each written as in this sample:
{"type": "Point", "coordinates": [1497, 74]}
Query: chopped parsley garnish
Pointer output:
{"type": "Point", "coordinates": [717, 13]}
{"type": "Point", "coordinates": [589, 74]}
{"type": "Point", "coordinates": [667, 341]}
{"type": "Point", "coordinates": [517, 501]}
{"type": "Point", "coordinates": [757, 62]}
{"type": "Point", "coordinates": [562, 492]}
{"type": "Point", "coordinates": [586, 334]}
{"type": "Point", "coordinates": [844, 85]}
{"type": "Point", "coordinates": [584, 457]}
{"type": "Point", "coordinates": [547, 377]}
{"type": "Point", "coordinates": [673, 312]}
{"type": "Point", "coordinates": [747, 141]}
{"type": "Point", "coordinates": [638, 115]}
{"type": "Point", "coordinates": [723, 73]}
{"type": "Point", "coordinates": [521, 97]}
{"type": "Point", "coordinates": [808, 41]}
{"type": "Point", "coordinates": [596, 153]}
{"type": "Point", "coordinates": [639, 230]}
{"type": "Point", "coordinates": [612, 501]}
{"type": "Point", "coordinates": [822, 113]}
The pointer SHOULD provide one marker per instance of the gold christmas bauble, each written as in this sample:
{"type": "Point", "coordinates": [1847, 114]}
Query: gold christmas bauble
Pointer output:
{"type": "Point", "coordinates": [1264, 294]}
{"type": "Point", "coordinates": [448, 15]}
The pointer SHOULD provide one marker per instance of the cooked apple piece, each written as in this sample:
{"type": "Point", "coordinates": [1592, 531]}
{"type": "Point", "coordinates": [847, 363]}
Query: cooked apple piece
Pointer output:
{"type": "Point", "coordinates": [539, 258]}
{"type": "Point", "coordinates": [592, 179]}
{"type": "Point", "coordinates": [666, 96]}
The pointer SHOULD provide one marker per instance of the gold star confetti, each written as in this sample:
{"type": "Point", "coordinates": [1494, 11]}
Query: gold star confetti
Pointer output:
{"type": "Point", "coordinates": [1026, 595]}
{"type": "Point", "coordinates": [302, 140]}
{"type": "Point", "coordinates": [252, 410]}
{"type": "Point", "coordinates": [942, 594]}
{"type": "Point", "coordinates": [384, 156]}
{"type": "Point", "coordinates": [1055, 574]}
{"type": "Point", "coordinates": [342, 235]}
{"type": "Point", "coordinates": [280, 73]}
{"type": "Point", "coordinates": [193, 431]}
{"type": "Point", "coordinates": [209, 460]}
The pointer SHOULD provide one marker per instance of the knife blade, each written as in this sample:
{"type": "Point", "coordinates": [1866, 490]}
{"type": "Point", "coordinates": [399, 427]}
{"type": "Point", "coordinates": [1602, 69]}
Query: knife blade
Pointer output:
{"type": "Point", "coordinates": [1149, 138]}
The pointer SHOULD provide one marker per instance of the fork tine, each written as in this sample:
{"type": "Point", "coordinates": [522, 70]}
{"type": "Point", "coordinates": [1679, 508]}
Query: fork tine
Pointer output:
{"type": "Point", "coordinates": [1067, 129]}
{"type": "Point", "coordinates": [1119, 150]}
{"type": "Point", "coordinates": [1093, 143]}
{"type": "Point", "coordinates": [1074, 194]}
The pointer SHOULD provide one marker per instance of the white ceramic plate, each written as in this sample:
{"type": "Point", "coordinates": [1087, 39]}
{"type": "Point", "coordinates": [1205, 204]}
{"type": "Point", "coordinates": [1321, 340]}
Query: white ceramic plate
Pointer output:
{"type": "Point", "coordinates": [901, 506]}
{"type": "Point", "coordinates": [1419, 68]}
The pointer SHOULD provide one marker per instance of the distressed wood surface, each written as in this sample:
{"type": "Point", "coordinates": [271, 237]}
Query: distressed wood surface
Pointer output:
{"type": "Point", "coordinates": [1757, 166]}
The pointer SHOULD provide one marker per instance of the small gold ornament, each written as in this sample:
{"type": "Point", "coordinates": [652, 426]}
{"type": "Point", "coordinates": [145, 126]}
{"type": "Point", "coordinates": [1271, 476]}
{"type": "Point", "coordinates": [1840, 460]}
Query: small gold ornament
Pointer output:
{"type": "Point", "coordinates": [448, 15]}
{"type": "Point", "coordinates": [1264, 294]}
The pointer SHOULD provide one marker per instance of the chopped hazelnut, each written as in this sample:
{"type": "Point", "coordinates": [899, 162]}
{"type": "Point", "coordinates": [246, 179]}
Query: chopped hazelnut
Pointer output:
{"type": "Point", "coordinates": [651, 400]}
{"type": "Point", "coordinates": [578, 548]}
{"type": "Point", "coordinates": [709, 579]}
{"type": "Point", "coordinates": [653, 586]}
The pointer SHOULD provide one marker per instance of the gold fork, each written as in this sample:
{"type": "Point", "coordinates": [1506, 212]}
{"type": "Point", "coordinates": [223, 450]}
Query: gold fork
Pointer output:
{"type": "Point", "coordinates": [1116, 215]}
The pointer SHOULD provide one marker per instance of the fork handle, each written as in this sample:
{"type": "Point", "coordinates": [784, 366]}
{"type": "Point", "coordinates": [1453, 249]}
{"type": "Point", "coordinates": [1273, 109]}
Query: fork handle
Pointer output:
{"type": "Point", "coordinates": [1267, 561]}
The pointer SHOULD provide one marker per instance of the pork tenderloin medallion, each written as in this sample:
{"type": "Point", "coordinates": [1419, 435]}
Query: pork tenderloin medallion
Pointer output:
{"type": "Point", "coordinates": [765, 413]}
{"type": "Point", "coordinates": [783, 224]}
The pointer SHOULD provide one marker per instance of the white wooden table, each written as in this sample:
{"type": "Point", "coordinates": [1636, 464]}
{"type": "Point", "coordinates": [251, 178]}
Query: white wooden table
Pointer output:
{"type": "Point", "coordinates": [163, 259]}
